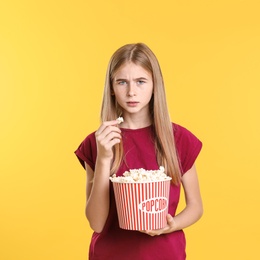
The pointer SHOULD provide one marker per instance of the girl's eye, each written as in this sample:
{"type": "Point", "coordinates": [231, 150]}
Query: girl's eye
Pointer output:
{"type": "Point", "coordinates": [140, 82]}
{"type": "Point", "coordinates": [121, 82]}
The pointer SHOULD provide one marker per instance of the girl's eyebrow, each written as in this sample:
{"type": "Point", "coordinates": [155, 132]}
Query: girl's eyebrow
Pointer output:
{"type": "Point", "coordinates": [121, 79]}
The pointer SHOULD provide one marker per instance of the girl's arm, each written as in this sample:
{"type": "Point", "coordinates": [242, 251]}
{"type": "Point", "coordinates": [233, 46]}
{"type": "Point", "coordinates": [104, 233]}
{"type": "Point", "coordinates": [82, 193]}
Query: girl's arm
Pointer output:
{"type": "Point", "coordinates": [193, 210]}
{"type": "Point", "coordinates": [97, 197]}
{"type": "Point", "coordinates": [97, 187]}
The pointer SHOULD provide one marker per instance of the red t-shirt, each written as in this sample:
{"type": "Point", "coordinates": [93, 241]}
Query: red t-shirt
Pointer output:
{"type": "Point", "coordinates": [139, 152]}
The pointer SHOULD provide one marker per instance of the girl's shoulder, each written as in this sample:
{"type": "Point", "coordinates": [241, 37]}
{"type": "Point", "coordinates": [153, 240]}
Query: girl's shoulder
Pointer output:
{"type": "Point", "coordinates": [181, 132]}
{"type": "Point", "coordinates": [87, 150]}
{"type": "Point", "coordinates": [188, 146]}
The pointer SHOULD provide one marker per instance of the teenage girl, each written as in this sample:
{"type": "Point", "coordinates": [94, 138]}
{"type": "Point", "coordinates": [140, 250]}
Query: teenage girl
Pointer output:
{"type": "Point", "coordinates": [134, 89]}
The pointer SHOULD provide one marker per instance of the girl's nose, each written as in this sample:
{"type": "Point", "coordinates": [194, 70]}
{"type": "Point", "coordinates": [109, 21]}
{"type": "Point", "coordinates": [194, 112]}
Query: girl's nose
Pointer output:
{"type": "Point", "coordinates": [131, 91]}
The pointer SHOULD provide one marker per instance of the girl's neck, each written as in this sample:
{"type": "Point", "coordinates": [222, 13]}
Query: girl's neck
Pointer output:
{"type": "Point", "coordinates": [135, 122]}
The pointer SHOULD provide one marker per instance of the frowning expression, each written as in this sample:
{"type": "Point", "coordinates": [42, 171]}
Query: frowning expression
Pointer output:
{"type": "Point", "coordinates": [133, 88]}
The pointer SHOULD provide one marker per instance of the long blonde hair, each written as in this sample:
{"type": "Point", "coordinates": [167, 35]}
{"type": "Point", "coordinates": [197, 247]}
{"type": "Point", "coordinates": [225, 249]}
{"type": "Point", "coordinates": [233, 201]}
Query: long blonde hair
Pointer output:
{"type": "Point", "coordinates": [141, 54]}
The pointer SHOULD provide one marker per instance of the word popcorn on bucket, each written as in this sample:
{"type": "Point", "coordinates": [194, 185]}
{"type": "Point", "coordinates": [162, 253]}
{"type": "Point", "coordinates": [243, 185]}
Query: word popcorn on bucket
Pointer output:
{"type": "Point", "coordinates": [154, 205]}
{"type": "Point", "coordinates": [142, 198]}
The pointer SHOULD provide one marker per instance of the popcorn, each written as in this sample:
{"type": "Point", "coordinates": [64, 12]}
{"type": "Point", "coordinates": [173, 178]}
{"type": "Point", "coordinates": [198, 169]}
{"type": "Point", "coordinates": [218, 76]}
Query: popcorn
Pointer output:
{"type": "Point", "coordinates": [120, 120]}
{"type": "Point", "coordinates": [142, 198]}
{"type": "Point", "coordinates": [141, 175]}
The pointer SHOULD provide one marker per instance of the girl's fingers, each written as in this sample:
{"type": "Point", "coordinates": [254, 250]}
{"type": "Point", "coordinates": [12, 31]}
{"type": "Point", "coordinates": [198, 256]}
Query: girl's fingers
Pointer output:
{"type": "Point", "coordinates": [105, 145]}
{"type": "Point", "coordinates": [107, 136]}
{"type": "Point", "coordinates": [113, 135]}
{"type": "Point", "coordinates": [107, 124]}
{"type": "Point", "coordinates": [108, 133]}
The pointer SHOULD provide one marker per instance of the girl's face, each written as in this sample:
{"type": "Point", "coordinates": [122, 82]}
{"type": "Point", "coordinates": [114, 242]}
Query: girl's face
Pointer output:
{"type": "Point", "coordinates": [133, 89]}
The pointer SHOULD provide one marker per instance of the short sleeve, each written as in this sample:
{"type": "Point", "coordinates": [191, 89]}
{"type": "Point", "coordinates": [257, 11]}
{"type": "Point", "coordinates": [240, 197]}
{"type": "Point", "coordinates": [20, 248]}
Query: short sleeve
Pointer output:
{"type": "Point", "coordinates": [188, 147]}
{"type": "Point", "coordinates": [87, 151]}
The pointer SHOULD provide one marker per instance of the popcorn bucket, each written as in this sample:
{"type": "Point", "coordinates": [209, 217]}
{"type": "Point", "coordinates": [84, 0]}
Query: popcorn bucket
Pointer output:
{"type": "Point", "coordinates": [142, 205]}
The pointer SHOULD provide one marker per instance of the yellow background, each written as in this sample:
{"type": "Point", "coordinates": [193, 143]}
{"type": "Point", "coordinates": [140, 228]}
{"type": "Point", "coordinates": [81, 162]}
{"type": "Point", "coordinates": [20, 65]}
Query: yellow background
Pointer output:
{"type": "Point", "coordinates": [53, 58]}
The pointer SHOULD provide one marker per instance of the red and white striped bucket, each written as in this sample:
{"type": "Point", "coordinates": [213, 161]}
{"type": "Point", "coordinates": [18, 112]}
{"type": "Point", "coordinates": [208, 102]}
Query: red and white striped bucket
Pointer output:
{"type": "Point", "coordinates": [142, 205]}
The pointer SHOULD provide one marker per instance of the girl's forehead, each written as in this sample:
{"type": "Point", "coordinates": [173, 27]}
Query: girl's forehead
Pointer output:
{"type": "Point", "coordinates": [131, 68]}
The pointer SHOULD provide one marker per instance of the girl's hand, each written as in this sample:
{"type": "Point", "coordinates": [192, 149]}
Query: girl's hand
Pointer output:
{"type": "Point", "coordinates": [170, 227]}
{"type": "Point", "coordinates": [193, 209]}
{"type": "Point", "coordinates": [107, 136]}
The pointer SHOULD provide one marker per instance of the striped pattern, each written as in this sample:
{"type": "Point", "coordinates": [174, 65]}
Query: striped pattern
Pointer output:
{"type": "Point", "coordinates": [142, 206]}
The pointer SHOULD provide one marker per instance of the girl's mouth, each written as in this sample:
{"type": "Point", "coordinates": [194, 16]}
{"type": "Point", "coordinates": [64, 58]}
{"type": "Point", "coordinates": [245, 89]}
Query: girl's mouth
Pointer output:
{"type": "Point", "coordinates": [132, 103]}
